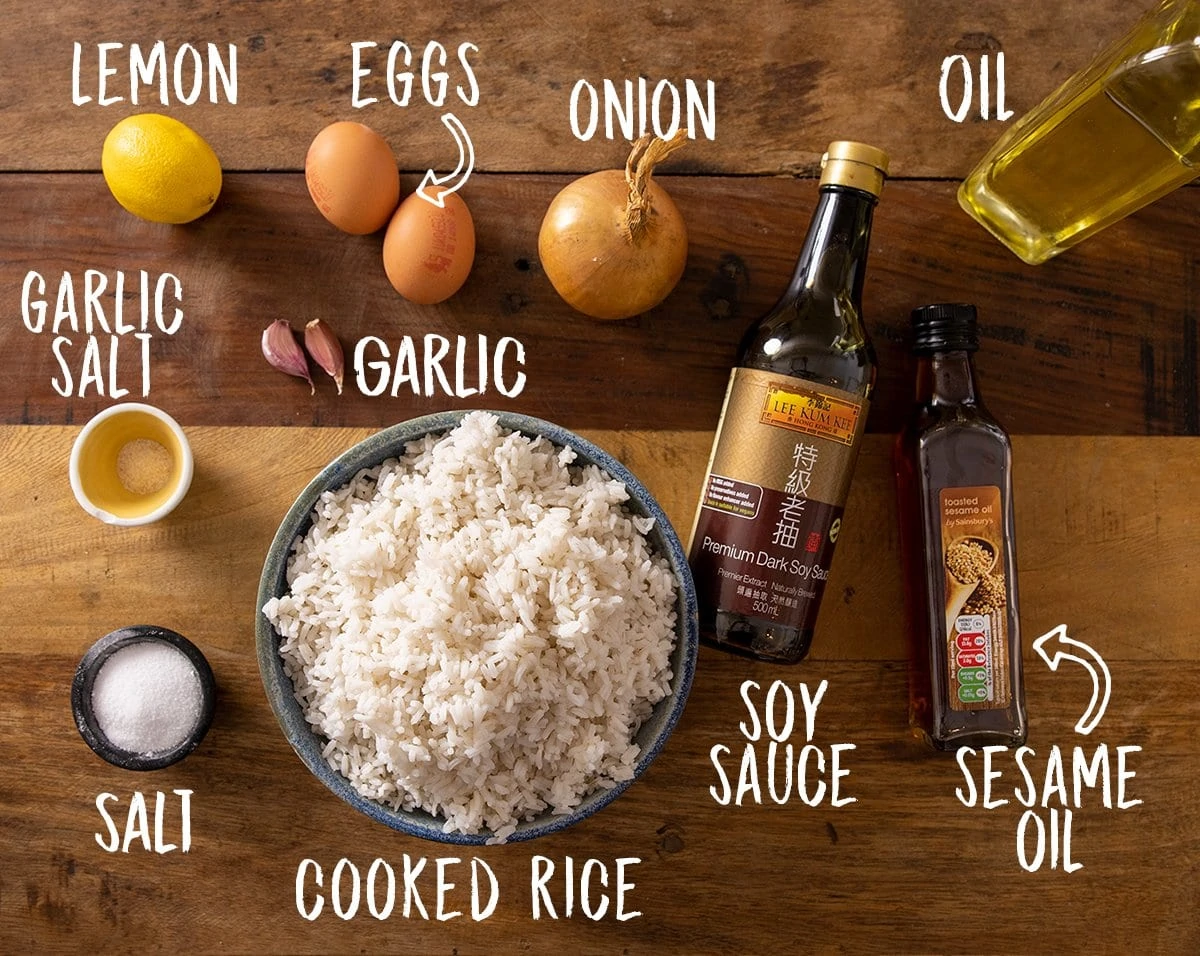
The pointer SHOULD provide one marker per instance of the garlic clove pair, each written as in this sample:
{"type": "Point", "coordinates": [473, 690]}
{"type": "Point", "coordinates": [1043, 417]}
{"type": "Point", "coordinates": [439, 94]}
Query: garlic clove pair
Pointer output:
{"type": "Point", "coordinates": [283, 351]}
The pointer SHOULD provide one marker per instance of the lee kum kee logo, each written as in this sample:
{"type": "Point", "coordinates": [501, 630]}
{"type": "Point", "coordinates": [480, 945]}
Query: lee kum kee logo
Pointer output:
{"type": "Point", "coordinates": [820, 415]}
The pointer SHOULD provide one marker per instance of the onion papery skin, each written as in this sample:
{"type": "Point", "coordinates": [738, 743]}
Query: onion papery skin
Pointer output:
{"type": "Point", "coordinates": [594, 261]}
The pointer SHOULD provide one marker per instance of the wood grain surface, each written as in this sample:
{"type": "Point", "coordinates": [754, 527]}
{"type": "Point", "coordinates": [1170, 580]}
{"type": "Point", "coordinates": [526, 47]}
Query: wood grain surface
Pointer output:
{"type": "Point", "coordinates": [1091, 360]}
{"type": "Point", "coordinates": [789, 77]}
{"type": "Point", "coordinates": [1092, 513]}
{"type": "Point", "coordinates": [872, 876]}
{"type": "Point", "coordinates": [884, 874]}
{"type": "Point", "coordinates": [1102, 341]}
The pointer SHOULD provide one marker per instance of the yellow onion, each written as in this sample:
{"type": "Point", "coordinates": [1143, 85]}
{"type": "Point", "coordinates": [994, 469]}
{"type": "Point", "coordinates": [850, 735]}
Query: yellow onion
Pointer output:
{"type": "Point", "coordinates": [613, 244]}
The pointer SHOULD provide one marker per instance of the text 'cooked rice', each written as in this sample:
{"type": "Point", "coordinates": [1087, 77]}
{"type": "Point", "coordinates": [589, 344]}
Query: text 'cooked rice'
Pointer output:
{"type": "Point", "coordinates": [478, 628]}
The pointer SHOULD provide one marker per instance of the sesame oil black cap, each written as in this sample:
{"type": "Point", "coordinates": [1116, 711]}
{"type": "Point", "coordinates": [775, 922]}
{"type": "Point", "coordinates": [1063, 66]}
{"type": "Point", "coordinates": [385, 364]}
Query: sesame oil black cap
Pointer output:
{"type": "Point", "coordinates": [945, 327]}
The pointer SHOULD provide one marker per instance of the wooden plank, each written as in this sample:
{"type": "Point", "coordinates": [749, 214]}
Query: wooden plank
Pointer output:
{"type": "Point", "coordinates": [1107, 538]}
{"type": "Point", "coordinates": [787, 80]}
{"type": "Point", "coordinates": [1091, 360]}
{"type": "Point", "coordinates": [893, 871]}
{"type": "Point", "coordinates": [1103, 340]}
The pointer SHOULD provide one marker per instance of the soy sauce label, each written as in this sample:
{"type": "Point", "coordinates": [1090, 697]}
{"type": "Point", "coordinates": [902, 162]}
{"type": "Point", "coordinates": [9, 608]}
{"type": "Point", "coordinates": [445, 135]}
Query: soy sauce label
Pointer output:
{"type": "Point", "coordinates": [976, 598]}
{"type": "Point", "coordinates": [771, 506]}
{"type": "Point", "coordinates": [821, 414]}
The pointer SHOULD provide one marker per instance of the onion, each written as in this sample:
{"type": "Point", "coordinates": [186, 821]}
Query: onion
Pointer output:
{"type": "Point", "coordinates": [614, 245]}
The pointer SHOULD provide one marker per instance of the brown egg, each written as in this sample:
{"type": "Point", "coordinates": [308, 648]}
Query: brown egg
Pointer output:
{"type": "Point", "coordinates": [352, 177]}
{"type": "Point", "coordinates": [428, 251]}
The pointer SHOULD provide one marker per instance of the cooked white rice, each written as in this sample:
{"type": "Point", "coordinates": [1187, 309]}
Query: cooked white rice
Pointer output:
{"type": "Point", "coordinates": [478, 628]}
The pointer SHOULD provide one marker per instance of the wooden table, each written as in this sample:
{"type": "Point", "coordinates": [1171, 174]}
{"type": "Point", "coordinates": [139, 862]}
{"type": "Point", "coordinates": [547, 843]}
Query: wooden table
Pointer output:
{"type": "Point", "coordinates": [1091, 360]}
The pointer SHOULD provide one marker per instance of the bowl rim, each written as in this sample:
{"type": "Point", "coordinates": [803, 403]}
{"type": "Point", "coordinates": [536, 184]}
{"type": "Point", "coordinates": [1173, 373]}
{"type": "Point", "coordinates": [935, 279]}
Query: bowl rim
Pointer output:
{"type": "Point", "coordinates": [387, 443]}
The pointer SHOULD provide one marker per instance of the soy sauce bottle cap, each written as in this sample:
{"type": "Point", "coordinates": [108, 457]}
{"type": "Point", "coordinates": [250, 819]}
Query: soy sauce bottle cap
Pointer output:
{"type": "Point", "coordinates": [945, 327]}
{"type": "Point", "coordinates": [856, 165]}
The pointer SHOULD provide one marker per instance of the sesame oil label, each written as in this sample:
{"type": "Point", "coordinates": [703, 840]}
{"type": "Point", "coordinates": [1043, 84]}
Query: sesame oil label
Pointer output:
{"type": "Point", "coordinates": [976, 596]}
{"type": "Point", "coordinates": [771, 505]}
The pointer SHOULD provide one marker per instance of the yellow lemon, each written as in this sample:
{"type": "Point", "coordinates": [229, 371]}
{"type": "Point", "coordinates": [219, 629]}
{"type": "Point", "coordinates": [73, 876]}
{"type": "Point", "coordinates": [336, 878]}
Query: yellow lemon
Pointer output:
{"type": "Point", "coordinates": [160, 169]}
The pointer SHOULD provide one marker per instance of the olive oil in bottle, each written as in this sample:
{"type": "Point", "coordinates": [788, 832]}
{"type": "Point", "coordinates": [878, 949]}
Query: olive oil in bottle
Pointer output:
{"type": "Point", "coordinates": [771, 506]}
{"type": "Point", "coordinates": [1113, 138]}
{"type": "Point", "coordinates": [954, 481]}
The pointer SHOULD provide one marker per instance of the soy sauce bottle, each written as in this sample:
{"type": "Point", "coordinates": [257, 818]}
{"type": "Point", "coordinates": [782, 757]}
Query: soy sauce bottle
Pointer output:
{"type": "Point", "coordinates": [771, 506]}
{"type": "Point", "coordinates": [954, 481]}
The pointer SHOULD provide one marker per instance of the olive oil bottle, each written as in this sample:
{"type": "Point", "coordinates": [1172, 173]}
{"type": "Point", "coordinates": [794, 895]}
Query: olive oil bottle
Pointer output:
{"type": "Point", "coordinates": [771, 506]}
{"type": "Point", "coordinates": [954, 481]}
{"type": "Point", "coordinates": [1113, 138]}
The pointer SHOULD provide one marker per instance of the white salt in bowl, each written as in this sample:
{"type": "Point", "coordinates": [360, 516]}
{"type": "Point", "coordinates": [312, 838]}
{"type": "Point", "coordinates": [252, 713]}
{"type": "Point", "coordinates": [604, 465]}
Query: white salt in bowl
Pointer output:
{"type": "Point", "coordinates": [146, 712]}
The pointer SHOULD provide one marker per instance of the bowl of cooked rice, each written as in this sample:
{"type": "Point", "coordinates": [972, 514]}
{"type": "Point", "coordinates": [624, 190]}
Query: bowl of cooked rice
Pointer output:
{"type": "Point", "coordinates": [476, 627]}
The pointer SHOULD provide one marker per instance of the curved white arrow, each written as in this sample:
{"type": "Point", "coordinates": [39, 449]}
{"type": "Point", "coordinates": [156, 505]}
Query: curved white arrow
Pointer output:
{"type": "Point", "coordinates": [1092, 662]}
{"type": "Point", "coordinates": [433, 187]}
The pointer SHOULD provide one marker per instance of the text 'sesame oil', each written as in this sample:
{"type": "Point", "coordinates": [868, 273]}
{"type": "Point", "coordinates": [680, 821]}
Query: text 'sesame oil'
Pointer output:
{"type": "Point", "coordinates": [771, 506]}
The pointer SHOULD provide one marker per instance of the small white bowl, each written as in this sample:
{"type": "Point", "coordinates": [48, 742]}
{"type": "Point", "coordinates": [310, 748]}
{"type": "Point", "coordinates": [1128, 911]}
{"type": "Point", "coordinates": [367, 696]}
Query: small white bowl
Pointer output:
{"type": "Point", "coordinates": [131, 464]}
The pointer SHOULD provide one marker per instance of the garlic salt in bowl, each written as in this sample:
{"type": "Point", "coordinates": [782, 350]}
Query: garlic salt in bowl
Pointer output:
{"type": "Point", "coordinates": [476, 627]}
{"type": "Point", "coordinates": [131, 464]}
{"type": "Point", "coordinates": [143, 697]}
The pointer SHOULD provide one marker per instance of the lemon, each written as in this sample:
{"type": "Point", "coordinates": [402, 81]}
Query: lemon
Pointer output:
{"type": "Point", "coordinates": [160, 169]}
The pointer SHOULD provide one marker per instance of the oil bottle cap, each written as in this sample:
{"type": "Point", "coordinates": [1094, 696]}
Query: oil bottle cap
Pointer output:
{"type": "Point", "coordinates": [945, 327]}
{"type": "Point", "coordinates": [857, 165]}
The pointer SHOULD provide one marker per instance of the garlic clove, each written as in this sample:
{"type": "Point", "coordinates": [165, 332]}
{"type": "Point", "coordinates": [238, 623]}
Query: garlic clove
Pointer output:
{"type": "Point", "coordinates": [325, 348]}
{"type": "Point", "coordinates": [280, 348]}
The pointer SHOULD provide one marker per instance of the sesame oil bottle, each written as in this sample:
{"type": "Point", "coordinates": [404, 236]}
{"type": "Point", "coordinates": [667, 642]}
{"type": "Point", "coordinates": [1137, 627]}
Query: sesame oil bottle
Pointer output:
{"type": "Point", "coordinates": [954, 481]}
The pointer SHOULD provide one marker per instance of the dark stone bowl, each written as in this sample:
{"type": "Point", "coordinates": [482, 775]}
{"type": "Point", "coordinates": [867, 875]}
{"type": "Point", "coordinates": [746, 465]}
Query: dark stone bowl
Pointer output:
{"type": "Point", "coordinates": [85, 678]}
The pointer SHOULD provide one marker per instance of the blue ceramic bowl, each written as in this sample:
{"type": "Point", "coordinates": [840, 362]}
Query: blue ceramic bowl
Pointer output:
{"type": "Point", "coordinates": [390, 443]}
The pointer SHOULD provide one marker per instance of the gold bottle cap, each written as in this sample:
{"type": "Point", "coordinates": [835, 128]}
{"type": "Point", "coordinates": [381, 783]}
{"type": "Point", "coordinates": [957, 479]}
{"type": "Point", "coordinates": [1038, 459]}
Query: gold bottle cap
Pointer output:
{"type": "Point", "coordinates": [852, 164]}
